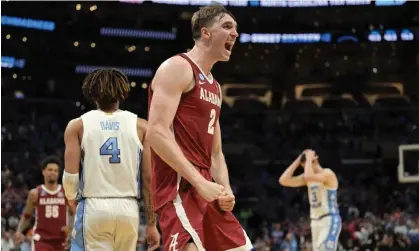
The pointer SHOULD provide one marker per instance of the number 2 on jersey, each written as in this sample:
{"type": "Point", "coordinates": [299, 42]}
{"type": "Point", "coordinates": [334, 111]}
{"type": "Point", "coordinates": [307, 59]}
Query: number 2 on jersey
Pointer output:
{"type": "Point", "coordinates": [110, 147]}
{"type": "Point", "coordinates": [211, 122]}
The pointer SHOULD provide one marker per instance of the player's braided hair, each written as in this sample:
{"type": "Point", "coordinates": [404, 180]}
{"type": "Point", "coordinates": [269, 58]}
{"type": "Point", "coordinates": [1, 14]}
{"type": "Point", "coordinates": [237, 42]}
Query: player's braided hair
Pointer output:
{"type": "Point", "coordinates": [204, 17]}
{"type": "Point", "coordinates": [105, 87]}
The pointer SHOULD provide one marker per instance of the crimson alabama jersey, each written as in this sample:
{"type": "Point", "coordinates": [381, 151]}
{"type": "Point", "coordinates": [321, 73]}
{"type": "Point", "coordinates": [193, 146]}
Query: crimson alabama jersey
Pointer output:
{"type": "Point", "coordinates": [193, 128]}
{"type": "Point", "coordinates": [51, 214]}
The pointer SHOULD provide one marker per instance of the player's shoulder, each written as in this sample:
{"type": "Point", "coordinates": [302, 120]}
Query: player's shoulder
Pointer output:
{"type": "Point", "coordinates": [329, 171]}
{"type": "Point", "coordinates": [175, 61]}
{"type": "Point", "coordinates": [141, 123]}
{"type": "Point", "coordinates": [332, 179]}
{"type": "Point", "coordinates": [75, 123]}
{"type": "Point", "coordinates": [33, 194]}
{"type": "Point", "coordinates": [125, 113]}
{"type": "Point", "coordinates": [175, 68]}
{"type": "Point", "coordinates": [74, 127]}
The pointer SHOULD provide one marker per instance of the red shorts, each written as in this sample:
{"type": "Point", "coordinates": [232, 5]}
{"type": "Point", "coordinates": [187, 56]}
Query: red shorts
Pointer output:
{"type": "Point", "coordinates": [48, 245]}
{"type": "Point", "coordinates": [189, 218]}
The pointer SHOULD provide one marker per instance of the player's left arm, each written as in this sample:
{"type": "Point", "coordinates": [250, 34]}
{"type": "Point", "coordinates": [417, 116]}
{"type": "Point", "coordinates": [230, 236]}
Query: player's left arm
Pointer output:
{"type": "Point", "coordinates": [219, 171]}
{"type": "Point", "coordinates": [219, 168]}
{"type": "Point", "coordinates": [72, 156]}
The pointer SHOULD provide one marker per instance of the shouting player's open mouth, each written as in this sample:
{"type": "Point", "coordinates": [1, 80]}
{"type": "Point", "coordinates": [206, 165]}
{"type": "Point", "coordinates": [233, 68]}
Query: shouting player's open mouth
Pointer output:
{"type": "Point", "coordinates": [229, 46]}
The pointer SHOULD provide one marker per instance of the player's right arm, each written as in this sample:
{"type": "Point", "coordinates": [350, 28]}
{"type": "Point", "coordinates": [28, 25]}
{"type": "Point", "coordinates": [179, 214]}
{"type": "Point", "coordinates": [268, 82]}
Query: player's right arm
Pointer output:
{"type": "Point", "coordinates": [27, 214]}
{"type": "Point", "coordinates": [172, 78]}
{"type": "Point", "coordinates": [72, 156]}
{"type": "Point", "coordinates": [288, 179]}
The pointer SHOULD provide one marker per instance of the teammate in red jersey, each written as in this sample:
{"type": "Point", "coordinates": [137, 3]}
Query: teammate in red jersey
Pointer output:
{"type": "Point", "coordinates": [53, 218]}
{"type": "Point", "coordinates": [184, 133]}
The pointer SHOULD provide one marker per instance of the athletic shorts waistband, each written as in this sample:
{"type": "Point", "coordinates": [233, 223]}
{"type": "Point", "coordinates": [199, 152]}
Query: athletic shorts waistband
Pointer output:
{"type": "Point", "coordinates": [132, 198]}
{"type": "Point", "coordinates": [323, 216]}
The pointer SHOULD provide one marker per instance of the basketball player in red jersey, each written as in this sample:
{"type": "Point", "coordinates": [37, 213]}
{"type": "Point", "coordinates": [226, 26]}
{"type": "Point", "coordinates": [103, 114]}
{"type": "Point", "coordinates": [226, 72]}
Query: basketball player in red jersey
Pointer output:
{"type": "Point", "coordinates": [53, 218]}
{"type": "Point", "coordinates": [184, 133]}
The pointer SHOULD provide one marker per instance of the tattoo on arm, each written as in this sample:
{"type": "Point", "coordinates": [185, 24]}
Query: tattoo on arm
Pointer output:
{"type": "Point", "coordinates": [151, 217]}
{"type": "Point", "coordinates": [146, 171]}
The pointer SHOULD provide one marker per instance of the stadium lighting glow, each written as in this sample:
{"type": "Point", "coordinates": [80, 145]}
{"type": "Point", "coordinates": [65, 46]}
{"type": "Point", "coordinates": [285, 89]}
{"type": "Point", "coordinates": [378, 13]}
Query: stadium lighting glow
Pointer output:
{"type": "Point", "coordinates": [157, 35]}
{"type": "Point", "coordinates": [134, 72]}
{"type": "Point", "coordinates": [28, 23]}
{"type": "Point", "coordinates": [12, 62]}
{"type": "Point", "coordinates": [267, 3]}
{"type": "Point", "coordinates": [272, 38]}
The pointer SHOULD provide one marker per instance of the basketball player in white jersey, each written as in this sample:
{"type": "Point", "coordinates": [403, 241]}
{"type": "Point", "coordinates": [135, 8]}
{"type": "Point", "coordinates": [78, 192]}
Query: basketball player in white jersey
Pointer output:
{"type": "Point", "coordinates": [105, 149]}
{"type": "Point", "coordinates": [322, 185]}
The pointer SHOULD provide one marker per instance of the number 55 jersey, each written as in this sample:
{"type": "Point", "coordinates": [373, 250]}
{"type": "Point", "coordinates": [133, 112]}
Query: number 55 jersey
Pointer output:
{"type": "Point", "coordinates": [51, 215]}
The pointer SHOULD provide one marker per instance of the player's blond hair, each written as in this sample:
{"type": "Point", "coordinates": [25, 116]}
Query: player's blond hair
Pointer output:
{"type": "Point", "coordinates": [205, 17]}
{"type": "Point", "coordinates": [105, 87]}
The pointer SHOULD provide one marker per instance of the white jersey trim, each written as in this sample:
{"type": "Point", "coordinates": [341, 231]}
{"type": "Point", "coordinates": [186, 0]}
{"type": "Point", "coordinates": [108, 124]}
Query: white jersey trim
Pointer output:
{"type": "Point", "coordinates": [51, 192]}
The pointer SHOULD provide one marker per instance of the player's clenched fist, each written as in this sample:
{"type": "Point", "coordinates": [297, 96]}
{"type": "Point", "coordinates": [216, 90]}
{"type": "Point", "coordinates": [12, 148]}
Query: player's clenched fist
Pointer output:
{"type": "Point", "coordinates": [227, 201]}
{"type": "Point", "coordinates": [153, 238]}
{"type": "Point", "coordinates": [210, 191]}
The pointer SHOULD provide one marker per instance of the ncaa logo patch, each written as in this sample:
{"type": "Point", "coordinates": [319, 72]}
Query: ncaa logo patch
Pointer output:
{"type": "Point", "coordinates": [201, 77]}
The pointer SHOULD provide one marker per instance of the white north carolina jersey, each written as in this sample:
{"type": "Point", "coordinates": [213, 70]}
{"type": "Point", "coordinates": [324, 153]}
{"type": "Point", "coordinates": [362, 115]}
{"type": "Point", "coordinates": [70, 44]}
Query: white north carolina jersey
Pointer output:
{"type": "Point", "coordinates": [111, 155]}
{"type": "Point", "coordinates": [323, 200]}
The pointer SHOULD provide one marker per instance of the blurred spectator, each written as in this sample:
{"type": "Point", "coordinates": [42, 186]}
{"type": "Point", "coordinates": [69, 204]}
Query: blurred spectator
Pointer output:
{"type": "Point", "coordinates": [289, 243]}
